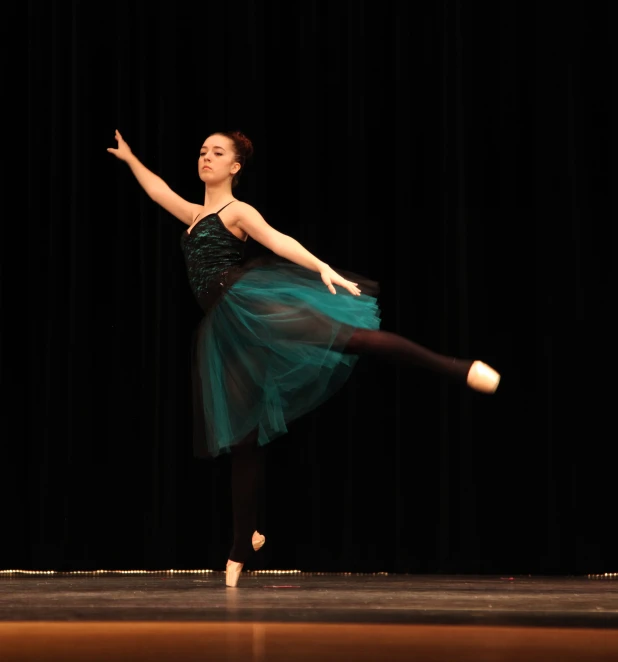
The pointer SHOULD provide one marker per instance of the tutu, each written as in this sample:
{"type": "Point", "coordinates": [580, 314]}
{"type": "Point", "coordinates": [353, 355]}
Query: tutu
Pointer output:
{"type": "Point", "coordinates": [270, 351]}
{"type": "Point", "coordinates": [270, 347]}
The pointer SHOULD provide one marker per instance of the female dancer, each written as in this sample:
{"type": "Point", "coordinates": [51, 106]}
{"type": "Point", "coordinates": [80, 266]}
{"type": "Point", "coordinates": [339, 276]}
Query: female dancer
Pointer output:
{"type": "Point", "coordinates": [273, 342]}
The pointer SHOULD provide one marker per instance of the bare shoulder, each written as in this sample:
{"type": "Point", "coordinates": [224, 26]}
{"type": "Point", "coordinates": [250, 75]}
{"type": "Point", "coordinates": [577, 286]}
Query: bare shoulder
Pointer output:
{"type": "Point", "coordinates": [252, 223]}
{"type": "Point", "coordinates": [243, 211]}
{"type": "Point", "coordinates": [245, 216]}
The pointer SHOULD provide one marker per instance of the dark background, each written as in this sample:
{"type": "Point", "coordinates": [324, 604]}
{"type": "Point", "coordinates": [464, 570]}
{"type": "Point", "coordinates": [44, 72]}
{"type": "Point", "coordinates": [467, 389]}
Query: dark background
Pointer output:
{"type": "Point", "coordinates": [462, 154]}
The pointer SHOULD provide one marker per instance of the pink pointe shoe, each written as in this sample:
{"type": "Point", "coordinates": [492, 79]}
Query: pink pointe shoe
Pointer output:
{"type": "Point", "coordinates": [258, 541]}
{"type": "Point", "coordinates": [233, 568]}
{"type": "Point", "coordinates": [483, 378]}
{"type": "Point", "coordinates": [232, 573]}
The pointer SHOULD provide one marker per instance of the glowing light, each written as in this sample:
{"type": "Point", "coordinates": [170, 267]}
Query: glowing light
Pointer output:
{"type": "Point", "coordinates": [204, 571]}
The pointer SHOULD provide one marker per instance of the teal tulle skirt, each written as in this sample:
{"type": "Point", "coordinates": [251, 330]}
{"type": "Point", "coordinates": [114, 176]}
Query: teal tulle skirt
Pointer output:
{"type": "Point", "coordinates": [272, 349]}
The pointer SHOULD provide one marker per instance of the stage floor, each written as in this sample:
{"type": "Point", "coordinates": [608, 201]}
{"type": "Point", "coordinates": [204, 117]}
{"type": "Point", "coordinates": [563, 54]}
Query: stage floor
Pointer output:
{"type": "Point", "coordinates": [306, 598]}
{"type": "Point", "coordinates": [162, 616]}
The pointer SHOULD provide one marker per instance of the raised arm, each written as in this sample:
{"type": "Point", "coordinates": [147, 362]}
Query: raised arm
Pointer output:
{"type": "Point", "coordinates": [154, 186]}
{"type": "Point", "coordinates": [252, 222]}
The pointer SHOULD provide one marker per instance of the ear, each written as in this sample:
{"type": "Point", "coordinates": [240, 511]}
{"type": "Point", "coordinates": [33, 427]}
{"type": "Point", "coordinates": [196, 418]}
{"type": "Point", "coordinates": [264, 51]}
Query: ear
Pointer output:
{"type": "Point", "coordinates": [235, 168]}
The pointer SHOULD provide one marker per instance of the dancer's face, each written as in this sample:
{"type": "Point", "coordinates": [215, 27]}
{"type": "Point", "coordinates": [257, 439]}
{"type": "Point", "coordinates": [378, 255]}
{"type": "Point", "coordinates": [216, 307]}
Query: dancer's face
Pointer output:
{"type": "Point", "coordinates": [217, 160]}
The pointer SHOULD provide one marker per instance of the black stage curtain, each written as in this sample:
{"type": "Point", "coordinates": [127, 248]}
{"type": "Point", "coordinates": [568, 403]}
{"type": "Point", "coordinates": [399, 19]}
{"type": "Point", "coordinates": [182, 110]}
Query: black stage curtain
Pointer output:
{"type": "Point", "coordinates": [462, 154]}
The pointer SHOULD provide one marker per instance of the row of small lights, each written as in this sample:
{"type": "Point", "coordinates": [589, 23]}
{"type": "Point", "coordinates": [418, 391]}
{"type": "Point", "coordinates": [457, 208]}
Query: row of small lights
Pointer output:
{"type": "Point", "coordinates": [605, 575]}
{"type": "Point", "coordinates": [186, 572]}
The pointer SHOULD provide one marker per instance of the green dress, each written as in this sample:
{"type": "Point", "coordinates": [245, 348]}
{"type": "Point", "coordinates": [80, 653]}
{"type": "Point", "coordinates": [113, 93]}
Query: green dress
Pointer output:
{"type": "Point", "coordinates": [271, 344]}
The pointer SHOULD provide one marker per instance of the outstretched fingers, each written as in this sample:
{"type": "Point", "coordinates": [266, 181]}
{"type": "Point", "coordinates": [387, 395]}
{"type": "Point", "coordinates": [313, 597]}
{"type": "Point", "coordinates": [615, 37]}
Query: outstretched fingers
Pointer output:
{"type": "Point", "coordinates": [351, 287]}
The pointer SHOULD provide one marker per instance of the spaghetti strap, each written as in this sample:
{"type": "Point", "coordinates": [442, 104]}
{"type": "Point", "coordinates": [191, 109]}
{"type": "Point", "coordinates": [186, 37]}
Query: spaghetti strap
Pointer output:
{"type": "Point", "coordinates": [224, 206]}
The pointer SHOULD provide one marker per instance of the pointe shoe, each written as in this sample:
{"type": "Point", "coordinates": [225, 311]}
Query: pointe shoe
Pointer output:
{"type": "Point", "coordinates": [483, 378]}
{"type": "Point", "coordinates": [232, 573]}
{"type": "Point", "coordinates": [258, 541]}
{"type": "Point", "coordinates": [233, 568]}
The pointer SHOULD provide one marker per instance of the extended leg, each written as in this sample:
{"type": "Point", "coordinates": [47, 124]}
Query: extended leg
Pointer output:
{"type": "Point", "coordinates": [397, 348]}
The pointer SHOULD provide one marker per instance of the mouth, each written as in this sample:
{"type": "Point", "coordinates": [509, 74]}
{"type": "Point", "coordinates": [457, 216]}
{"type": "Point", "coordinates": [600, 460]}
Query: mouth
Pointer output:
{"type": "Point", "coordinates": [206, 168]}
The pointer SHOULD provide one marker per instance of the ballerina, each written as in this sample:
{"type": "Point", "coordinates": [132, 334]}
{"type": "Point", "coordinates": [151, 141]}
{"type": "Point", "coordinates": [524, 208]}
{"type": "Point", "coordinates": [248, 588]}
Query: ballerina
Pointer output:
{"type": "Point", "coordinates": [274, 342]}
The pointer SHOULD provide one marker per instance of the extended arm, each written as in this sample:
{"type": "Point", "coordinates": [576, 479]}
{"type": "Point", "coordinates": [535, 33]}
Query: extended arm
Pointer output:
{"type": "Point", "coordinates": [252, 222]}
{"type": "Point", "coordinates": [154, 186]}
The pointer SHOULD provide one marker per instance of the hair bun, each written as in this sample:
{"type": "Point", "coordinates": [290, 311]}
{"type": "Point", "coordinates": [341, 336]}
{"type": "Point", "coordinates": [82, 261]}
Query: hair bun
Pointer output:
{"type": "Point", "coordinates": [243, 144]}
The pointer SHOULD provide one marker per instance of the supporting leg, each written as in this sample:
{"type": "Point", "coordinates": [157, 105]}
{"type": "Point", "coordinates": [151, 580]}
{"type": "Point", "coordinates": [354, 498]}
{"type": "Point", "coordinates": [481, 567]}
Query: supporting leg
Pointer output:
{"type": "Point", "coordinates": [247, 471]}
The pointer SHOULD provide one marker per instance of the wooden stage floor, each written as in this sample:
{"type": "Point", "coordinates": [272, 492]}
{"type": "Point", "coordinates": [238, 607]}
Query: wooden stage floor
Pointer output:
{"type": "Point", "coordinates": [173, 616]}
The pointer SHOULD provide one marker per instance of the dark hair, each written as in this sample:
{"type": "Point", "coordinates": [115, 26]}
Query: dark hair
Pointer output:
{"type": "Point", "coordinates": [243, 148]}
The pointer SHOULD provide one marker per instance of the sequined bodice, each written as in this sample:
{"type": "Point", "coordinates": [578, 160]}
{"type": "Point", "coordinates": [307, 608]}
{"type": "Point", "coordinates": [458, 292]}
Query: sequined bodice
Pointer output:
{"type": "Point", "coordinates": [212, 253]}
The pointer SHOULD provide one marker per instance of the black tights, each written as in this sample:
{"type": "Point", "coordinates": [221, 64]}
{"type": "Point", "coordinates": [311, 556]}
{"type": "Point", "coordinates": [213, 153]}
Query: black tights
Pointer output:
{"type": "Point", "coordinates": [384, 344]}
{"type": "Point", "coordinates": [247, 456]}
{"type": "Point", "coordinates": [247, 479]}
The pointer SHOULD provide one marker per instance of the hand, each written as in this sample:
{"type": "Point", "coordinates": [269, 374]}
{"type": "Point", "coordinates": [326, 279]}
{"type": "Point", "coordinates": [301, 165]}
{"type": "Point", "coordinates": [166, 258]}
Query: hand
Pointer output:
{"type": "Point", "coordinates": [332, 278]}
{"type": "Point", "coordinates": [123, 151]}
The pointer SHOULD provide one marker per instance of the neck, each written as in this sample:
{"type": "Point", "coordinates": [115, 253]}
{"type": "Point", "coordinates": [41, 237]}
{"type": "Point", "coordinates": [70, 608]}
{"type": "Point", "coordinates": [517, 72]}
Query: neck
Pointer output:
{"type": "Point", "coordinates": [217, 194]}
